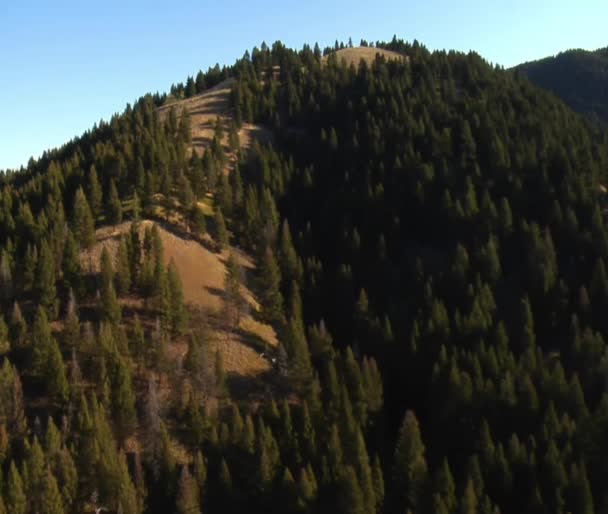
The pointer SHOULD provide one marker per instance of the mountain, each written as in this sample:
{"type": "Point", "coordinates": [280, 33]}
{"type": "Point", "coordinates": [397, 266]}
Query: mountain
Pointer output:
{"type": "Point", "coordinates": [309, 284]}
{"type": "Point", "coordinates": [579, 77]}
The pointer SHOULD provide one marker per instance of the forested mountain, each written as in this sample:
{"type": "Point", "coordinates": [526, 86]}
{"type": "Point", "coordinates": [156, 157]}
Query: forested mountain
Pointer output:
{"type": "Point", "coordinates": [579, 77]}
{"type": "Point", "coordinates": [430, 243]}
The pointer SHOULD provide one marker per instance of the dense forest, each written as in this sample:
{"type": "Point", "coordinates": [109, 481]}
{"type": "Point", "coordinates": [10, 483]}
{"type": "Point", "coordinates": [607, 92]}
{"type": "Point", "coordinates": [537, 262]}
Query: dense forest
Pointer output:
{"type": "Point", "coordinates": [430, 243]}
{"type": "Point", "coordinates": [578, 77]}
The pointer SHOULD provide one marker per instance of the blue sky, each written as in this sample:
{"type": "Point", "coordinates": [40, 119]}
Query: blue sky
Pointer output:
{"type": "Point", "coordinates": [66, 64]}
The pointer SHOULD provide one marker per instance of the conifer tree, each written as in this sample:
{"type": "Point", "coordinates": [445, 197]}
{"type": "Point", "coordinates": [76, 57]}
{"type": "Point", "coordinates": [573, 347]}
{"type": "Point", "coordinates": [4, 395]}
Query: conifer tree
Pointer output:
{"type": "Point", "coordinates": [378, 483]}
{"type": "Point", "coordinates": [350, 497]}
{"type": "Point", "coordinates": [5, 345]}
{"type": "Point", "coordinates": [188, 493]}
{"type": "Point", "coordinates": [113, 205]}
{"type": "Point", "coordinates": [409, 474]}
{"type": "Point", "coordinates": [94, 192]}
{"type": "Point", "coordinates": [235, 303]}
{"type": "Point", "coordinates": [16, 501]}
{"type": "Point", "coordinates": [300, 367]}
{"type": "Point", "coordinates": [83, 224]}
{"type": "Point", "coordinates": [196, 218]}
{"type": "Point", "coordinates": [122, 277]}
{"type": "Point", "coordinates": [52, 502]}
{"type": "Point", "coordinates": [123, 401]}
{"type": "Point", "coordinates": [271, 298]}
{"type": "Point", "coordinates": [221, 232]}
{"type": "Point", "coordinates": [110, 307]}
{"type": "Point", "coordinates": [46, 289]}
{"type": "Point", "coordinates": [70, 266]}
{"type": "Point", "coordinates": [178, 313]}
{"type": "Point", "coordinates": [29, 268]}
{"type": "Point", "coordinates": [56, 379]}
{"type": "Point", "coordinates": [41, 342]}
{"type": "Point", "coordinates": [33, 473]}
{"type": "Point", "coordinates": [127, 497]}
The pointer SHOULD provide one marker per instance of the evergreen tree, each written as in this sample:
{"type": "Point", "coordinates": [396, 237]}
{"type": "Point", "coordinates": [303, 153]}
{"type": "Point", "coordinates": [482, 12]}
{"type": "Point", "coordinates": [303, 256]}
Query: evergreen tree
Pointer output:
{"type": "Point", "coordinates": [56, 379]}
{"type": "Point", "coordinates": [271, 299]}
{"type": "Point", "coordinates": [46, 289]}
{"type": "Point", "coordinates": [52, 502]}
{"type": "Point", "coordinates": [16, 501]}
{"type": "Point", "coordinates": [235, 304]}
{"type": "Point", "coordinates": [188, 495]}
{"type": "Point", "coordinates": [83, 224]}
{"type": "Point", "coordinates": [350, 497]}
{"type": "Point", "coordinates": [178, 313]}
{"type": "Point", "coordinates": [196, 218]}
{"type": "Point", "coordinates": [409, 467]}
{"type": "Point", "coordinates": [221, 232]}
{"type": "Point", "coordinates": [94, 192]}
{"type": "Point", "coordinates": [42, 341]}
{"type": "Point", "coordinates": [123, 269]}
{"type": "Point", "coordinates": [123, 401]}
{"type": "Point", "coordinates": [113, 205]}
{"type": "Point", "coordinates": [70, 266]}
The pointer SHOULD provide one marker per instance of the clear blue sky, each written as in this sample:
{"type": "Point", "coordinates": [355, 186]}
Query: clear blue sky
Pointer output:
{"type": "Point", "coordinates": [66, 64]}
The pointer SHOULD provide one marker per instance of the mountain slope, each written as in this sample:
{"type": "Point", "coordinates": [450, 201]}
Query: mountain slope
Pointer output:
{"type": "Point", "coordinates": [579, 77]}
{"type": "Point", "coordinates": [413, 264]}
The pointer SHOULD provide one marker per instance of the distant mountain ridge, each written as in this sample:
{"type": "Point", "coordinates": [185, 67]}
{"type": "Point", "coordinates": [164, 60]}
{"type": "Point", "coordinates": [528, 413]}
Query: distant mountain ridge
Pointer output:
{"type": "Point", "coordinates": [579, 77]}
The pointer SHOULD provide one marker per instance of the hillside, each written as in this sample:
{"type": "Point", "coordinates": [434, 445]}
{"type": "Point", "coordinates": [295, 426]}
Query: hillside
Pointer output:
{"type": "Point", "coordinates": [579, 77]}
{"type": "Point", "coordinates": [298, 286]}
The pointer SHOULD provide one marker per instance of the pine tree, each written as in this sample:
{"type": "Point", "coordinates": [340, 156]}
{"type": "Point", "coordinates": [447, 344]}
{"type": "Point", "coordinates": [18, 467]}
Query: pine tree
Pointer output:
{"type": "Point", "coordinates": [70, 266]}
{"type": "Point", "coordinates": [110, 307]}
{"type": "Point", "coordinates": [33, 473]}
{"type": "Point", "coordinates": [41, 342]}
{"type": "Point", "coordinates": [138, 342]}
{"type": "Point", "coordinates": [177, 309]}
{"type": "Point", "coordinates": [378, 482]}
{"type": "Point", "coordinates": [234, 301]}
{"type": "Point", "coordinates": [188, 500]}
{"type": "Point", "coordinates": [113, 205]}
{"type": "Point", "coordinates": [16, 501]}
{"type": "Point", "coordinates": [196, 218]}
{"type": "Point", "coordinates": [271, 298]}
{"type": "Point", "coordinates": [94, 192]}
{"type": "Point", "coordinates": [221, 232]}
{"type": "Point", "coordinates": [123, 269]}
{"type": "Point", "coordinates": [300, 366]}
{"type": "Point", "coordinates": [123, 401]}
{"type": "Point", "coordinates": [56, 379]}
{"type": "Point", "coordinates": [5, 345]}
{"type": "Point", "coordinates": [350, 497]}
{"type": "Point", "coordinates": [290, 265]}
{"type": "Point", "coordinates": [409, 467]}
{"type": "Point", "coordinates": [52, 502]}
{"type": "Point", "coordinates": [83, 225]}
{"type": "Point", "coordinates": [46, 289]}
{"type": "Point", "coordinates": [127, 496]}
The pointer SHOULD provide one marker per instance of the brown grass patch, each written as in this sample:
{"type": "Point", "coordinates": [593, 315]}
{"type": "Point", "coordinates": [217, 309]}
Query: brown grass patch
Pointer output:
{"type": "Point", "coordinates": [202, 272]}
{"type": "Point", "coordinates": [204, 110]}
{"type": "Point", "coordinates": [368, 54]}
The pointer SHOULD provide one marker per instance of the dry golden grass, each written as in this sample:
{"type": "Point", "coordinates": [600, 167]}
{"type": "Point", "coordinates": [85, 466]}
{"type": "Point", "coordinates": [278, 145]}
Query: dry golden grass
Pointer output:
{"type": "Point", "coordinates": [204, 110]}
{"type": "Point", "coordinates": [202, 272]}
{"type": "Point", "coordinates": [368, 54]}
